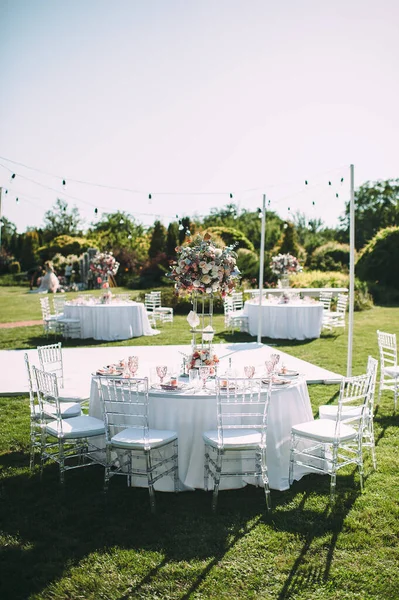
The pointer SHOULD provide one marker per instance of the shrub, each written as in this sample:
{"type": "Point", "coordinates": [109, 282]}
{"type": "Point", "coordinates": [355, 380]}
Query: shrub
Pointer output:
{"type": "Point", "coordinates": [248, 263]}
{"type": "Point", "coordinates": [231, 236]}
{"type": "Point", "coordinates": [318, 279]}
{"type": "Point", "coordinates": [15, 267]}
{"type": "Point", "coordinates": [378, 260]}
{"type": "Point", "coordinates": [330, 257]}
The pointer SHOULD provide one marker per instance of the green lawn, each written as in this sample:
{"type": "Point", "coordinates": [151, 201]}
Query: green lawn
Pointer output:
{"type": "Point", "coordinates": [75, 543]}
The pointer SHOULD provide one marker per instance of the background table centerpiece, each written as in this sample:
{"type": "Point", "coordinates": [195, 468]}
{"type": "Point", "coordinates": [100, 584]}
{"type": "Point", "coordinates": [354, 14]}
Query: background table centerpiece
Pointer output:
{"type": "Point", "coordinates": [284, 264]}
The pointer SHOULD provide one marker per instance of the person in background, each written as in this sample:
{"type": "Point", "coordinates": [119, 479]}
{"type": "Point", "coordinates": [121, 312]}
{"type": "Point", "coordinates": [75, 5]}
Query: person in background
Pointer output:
{"type": "Point", "coordinates": [68, 273]}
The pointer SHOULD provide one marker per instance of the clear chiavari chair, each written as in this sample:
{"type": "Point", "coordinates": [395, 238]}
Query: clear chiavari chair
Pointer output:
{"type": "Point", "coordinates": [68, 442]}
{"type": "Point", "coordinates": [325, 445]}
{"type": "Point", "coordinates": [237, 448]}
{"type": "Point", "coordinates": [352, 413]}
{"type": "Point", "coordinates": [133, 448]}
{"type": "Point", "coordinates": [389, 369]}
{"type": "Point", "coordinates": [51, 360]}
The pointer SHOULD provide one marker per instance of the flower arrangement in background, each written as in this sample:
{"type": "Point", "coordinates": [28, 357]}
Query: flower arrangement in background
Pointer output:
{"type": "Point", "coordinates": [284, 264]}
{"type": "Point", "coordinates": [203, 357]}
{"type": "Point", "coordinates": [103, 264]}
{"type": "Point", "coordinates": [106, 296]}
{"type": "Point", "coordinates": [202, 267]}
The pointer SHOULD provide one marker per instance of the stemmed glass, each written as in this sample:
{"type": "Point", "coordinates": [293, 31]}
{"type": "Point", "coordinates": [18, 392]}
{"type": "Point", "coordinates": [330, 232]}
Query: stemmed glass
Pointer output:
{"type": "Point", "coordinates": [161, 372]}
{"type": "Point", "coordinates": [249, 371]}
{"type": "Point", "coordinates": [204, 373]}
{"type": "Point", "coordinates": [271, 363]}
{"type": "Point", "coordinates": [133, 365]}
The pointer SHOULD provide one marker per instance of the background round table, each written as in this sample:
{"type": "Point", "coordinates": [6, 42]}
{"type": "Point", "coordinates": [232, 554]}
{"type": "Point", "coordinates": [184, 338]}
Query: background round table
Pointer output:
{"type": "Point", "coordinates": [293, 321]}
{"type": "Point", "coordinates": [110, 322]}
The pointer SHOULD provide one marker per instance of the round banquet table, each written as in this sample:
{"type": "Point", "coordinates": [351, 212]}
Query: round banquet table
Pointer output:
{"type": "Point", "coordinates": [110, 322]}
{"type": "Point", "coordinates": [293, 321]}
{"type": "Point", "coordinates": [190, 414]}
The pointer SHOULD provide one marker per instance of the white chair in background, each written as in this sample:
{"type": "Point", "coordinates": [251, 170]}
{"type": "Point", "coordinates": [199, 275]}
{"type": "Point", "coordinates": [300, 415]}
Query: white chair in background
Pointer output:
{"type": "Point", "coordinates": [242, 413]}
{"type": "Point", "coordinates": [326, 445]}
{"type": "Point", "coordinates": [325, 298]}
{"type": "Point", "coordinates": [165, 313]}
{"type": "Point", "coordinates": [51, 321]}
{"type": "Point", "coordinates": [67, 442]}
{"type": "Point", "coordinates": [50, 358]}
{"type": "Point", "coordinates": [352, 414]}
{"type": "Point", "coordinates": [336, 318]}
{"type": "Point", "coordinates": [234, 313]}
{"type": "Point", "coordinates": [150, 305]}
{"type": "Point", "coordinates": [389, 369]}
{"type": "Point", "coordinates": [133, 449]}
{"type": "Point", "coordinates": [58, 304]}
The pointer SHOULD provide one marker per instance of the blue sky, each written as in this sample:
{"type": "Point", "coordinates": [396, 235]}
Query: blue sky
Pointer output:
{"type": "Point", "coordinates": [190, 101]}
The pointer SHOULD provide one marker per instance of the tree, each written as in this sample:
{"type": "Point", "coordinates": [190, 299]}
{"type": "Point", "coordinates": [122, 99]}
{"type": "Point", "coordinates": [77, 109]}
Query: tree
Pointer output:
{"type": "Point", "coordinates": [8, 233]}
{"type": "Point", "coordinates": [184, 229]}
{"type": "Point", "coordinates": [312, 233]}
{"type": "Point", "coordinates": [30, 246]}
{"type": "Point", "coordinates": [376, 207]}
{"type": "Point", "coordinates": [289, 244]}
{"type": "Point", "coordinates": [231, 236]}
{"type": "Point", "coordinates": [172, 240]}
{"type": "Point", "coordinates": [61, 221]}
{"type": "Point", "coordinates": [158, 240]}
{"type": "Point", "coordinates": [116, 230]}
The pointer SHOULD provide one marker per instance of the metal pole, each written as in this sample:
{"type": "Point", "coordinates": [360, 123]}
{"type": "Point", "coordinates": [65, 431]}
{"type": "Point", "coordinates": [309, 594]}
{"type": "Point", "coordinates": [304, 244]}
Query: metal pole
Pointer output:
{"type": "Point", "coordinates": [261, 265]}
{"type": "Point", "coordinates": [351, 270]}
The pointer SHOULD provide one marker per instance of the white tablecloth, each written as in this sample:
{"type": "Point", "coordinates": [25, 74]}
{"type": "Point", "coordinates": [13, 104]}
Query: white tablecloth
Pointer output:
{"type": "Point", "coordinates": [191, 414]}
{"type": "Point", "coordinates": [110, 322]}
{"type": "Point", "coordinates": [294, 321]}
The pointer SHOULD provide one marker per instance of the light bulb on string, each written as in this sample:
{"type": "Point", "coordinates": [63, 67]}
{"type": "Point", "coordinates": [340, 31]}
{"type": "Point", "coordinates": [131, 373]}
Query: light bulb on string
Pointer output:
{"type": "Point", "coordinates": [63, 182]}
{"type": "Point", "coordinates": [13, 176]}
{"type": "Point", "coordinates": [231, 196]}
{"type": "Point", "coordinates": [17, 200]}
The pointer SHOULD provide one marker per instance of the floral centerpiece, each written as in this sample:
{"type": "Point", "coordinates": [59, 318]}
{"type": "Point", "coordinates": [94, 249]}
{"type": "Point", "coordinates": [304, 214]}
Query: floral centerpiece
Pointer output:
{"type": "Point", "coordinates": [284, 264]}
{"type": "Point", "coordinates": [203, 267]}
{"type": "Point", "coordinates": [203, 356]}
{"type": "Point", "coordinates": [103, 265]}
{"type": "Point", "coordinates": [106, 296]}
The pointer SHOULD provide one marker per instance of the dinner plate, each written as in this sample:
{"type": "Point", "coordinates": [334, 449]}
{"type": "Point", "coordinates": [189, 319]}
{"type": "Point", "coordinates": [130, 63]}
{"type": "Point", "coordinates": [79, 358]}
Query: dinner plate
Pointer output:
{"type": "Point", "coordinates": [289, 373]}
{"type": "Point", "coordinates": [168, 388]}
{"type": "Point", "coordinates": [108, 371]}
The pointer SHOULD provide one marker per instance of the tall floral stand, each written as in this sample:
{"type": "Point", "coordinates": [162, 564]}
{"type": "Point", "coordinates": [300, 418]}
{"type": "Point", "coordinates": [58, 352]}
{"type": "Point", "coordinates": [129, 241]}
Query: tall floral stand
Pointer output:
{"type": "Point", "coordinates": [284, 281]}
{"type": "Point", "coordinates": [200, 319]}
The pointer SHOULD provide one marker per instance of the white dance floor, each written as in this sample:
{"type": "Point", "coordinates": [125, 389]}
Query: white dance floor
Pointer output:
{"type": "Point", "coordinates": [80, 363]}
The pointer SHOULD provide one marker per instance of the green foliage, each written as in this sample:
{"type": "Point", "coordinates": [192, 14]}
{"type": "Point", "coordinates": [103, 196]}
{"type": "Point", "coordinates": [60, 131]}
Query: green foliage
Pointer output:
{"type": "Point", "coordinates": [15, 267]}
{"type": "Point", "coordinates": [248, 263]}
{"type": "Point", "coordinates": [158, 240]}
{"type": "Point", "coordinates": [64, 245]}
{"type": "Point", "coordinates": [118, 230]}
{"type": "Point", "coordinates": [335, 279]}
{"type": "Point", "coordinates": [231, 236]}
{"type": "Point", "coordinates": [172, 240]}
{"type": "Point", "coordinates": [61, 220]}
{"type": "Point", "coordinates": [376, 207]}
{"type": "Point", "coordinates": [8, 233]}
{"type": "Point", "coordinates": [312, 234]}
{"type": "Point", "coordinates": [378, 261]}
{"type": "Point", "coordinates": [332, 256]}
{"type": "Point", "coordinates": [288, 243]}
{"type": "Point", "coordinates": [30, 246]}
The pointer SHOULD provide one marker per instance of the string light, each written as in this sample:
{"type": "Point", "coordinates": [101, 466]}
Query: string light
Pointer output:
{"type": "Point", "coordinates": [63, 182]}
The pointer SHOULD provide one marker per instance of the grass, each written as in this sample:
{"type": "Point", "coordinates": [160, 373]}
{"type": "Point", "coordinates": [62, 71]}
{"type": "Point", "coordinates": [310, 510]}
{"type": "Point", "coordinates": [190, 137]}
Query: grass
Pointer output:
{"type": "Point", "coordinates": [75, 543]}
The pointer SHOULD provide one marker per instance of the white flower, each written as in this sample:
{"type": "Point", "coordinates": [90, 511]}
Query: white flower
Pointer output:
{"type": "Point", "coordinates": [206, 279]}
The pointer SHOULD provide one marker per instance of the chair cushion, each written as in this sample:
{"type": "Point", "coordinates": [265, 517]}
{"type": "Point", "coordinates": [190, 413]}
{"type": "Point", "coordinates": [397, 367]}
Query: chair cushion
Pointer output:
{"type": "Point", "coordinates": [133, 438]}
{"type": "Point", "coordinates": [329, 411]}
{"type": "Point", "coordinates": [77, 427]}
{"type": "Point", "coordinates": [391, 371]}
{"type": "Point", "coordinates": [234, 439]}
{"type": "Point", "coordinates": [68, 410]}
{"type": "Point", "coordinates": [323, 430]}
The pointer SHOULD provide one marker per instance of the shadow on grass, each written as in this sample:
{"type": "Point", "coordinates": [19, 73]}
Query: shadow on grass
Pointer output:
{"type": "Point", "coordinates": [52, 529]}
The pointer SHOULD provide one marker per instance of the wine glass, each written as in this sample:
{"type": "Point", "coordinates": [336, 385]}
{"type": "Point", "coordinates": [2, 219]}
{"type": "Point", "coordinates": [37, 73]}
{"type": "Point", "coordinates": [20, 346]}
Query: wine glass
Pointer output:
{"type": "Point", "coordinates": [249, 371]}
{"type": "Point", "coordinates": [133, 364]}
{"type": "Point", "coordinates": [271, 363]}
{"type": "Point", "coordinates": [204, 372]}
{"type": "Point", "coordinates": [161, 372]}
